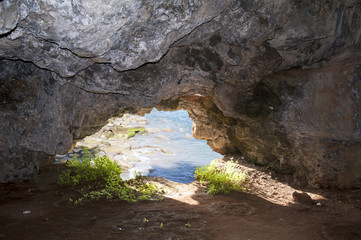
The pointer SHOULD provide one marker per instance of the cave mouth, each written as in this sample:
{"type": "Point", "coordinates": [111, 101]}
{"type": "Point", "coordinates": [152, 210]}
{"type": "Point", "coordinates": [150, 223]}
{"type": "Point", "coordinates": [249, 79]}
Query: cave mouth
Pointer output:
{"type": "Point", "coordinates": [158, 144]}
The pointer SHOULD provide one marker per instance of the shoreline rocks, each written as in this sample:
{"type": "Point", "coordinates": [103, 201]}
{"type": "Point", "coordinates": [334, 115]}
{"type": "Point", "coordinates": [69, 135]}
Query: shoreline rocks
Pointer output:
{"type": "Point", "coordinates": [113, 141]}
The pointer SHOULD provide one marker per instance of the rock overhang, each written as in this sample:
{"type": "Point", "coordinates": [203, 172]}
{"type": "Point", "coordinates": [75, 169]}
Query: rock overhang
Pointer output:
{"type": "Point", "coordinates": [281, 78]}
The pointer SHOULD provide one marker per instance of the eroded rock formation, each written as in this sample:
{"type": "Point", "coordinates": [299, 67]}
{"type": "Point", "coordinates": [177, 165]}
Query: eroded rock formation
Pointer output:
{"type": "Point", "coordinates": [278, 81]}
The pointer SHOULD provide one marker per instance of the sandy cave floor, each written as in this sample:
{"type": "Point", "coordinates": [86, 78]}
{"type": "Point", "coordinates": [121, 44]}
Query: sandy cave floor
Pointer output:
{"type": "Point", "coordinates": [266, 210]}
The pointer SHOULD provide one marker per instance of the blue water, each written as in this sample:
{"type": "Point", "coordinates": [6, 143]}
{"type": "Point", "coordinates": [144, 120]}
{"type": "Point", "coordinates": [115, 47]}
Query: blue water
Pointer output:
{"type": "Point", "coordinates": [183, 152]}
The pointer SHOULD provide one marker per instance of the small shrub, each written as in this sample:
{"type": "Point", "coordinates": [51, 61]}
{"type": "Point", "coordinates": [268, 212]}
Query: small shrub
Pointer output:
{"type": "Point", "coordinates": [221, 179]}
{"type": "Point", "coordinates": [96, 177]}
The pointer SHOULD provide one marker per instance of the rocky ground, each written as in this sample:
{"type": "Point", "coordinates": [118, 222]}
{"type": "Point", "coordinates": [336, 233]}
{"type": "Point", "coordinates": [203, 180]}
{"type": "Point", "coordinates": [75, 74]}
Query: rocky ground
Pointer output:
{"type": "Point", "coordinates": [268, 209]}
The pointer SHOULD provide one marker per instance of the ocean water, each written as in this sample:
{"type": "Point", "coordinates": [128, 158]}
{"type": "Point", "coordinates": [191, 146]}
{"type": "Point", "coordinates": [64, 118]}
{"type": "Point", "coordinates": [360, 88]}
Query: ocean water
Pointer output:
{"type": "Point", "coordinates": [171, 154]}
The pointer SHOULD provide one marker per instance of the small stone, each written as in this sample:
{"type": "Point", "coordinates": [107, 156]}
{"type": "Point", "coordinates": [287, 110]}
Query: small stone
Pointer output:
{"type": "Point", "coordinates": [166, 151]}
{"type": "Point", "coordinates": [26, 212]}
{"type": "Point", "coordinates": [117, 228]}
{"type": "Point", "coordinates": [187, 135]}
{"type": "Point", "coordinates": [163, 137]}
{"type": "Point", "coordinates": [303, 198]}
{"type": "Point", "coordinates": [167, 130]}
{"type": "Point", "coordinates": [77, 150]}
{"type": "Point", "coordinates": [319, 204]}
{"type": "Point", "coordinates": [152, 130]}
{"type": "Point", "coordinates": [142, 122]}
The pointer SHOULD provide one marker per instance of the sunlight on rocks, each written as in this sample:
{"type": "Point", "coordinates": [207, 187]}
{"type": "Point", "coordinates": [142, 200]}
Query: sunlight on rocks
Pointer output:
{"type": "Point", "coordinates": [159, 144]}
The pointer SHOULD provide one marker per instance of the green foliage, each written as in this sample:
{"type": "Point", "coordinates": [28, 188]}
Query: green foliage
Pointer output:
{"type": "Point", "coordinates": [96, 177]}
{"type": "Point", "coordinates": [132, 131]}
{"type": "Point", "coordinates": [187, 224]}
{"type": "Point", "coordinates": [221, 179]}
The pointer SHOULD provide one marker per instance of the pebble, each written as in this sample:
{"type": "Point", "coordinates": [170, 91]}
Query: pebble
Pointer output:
{"type": "Point", "coordinates": [188, 136]}
{"type": "Point", "coordinates": [152, 130]}
{"type": "Point", "coordinates": [163, 137]}
{"type": "Point", "coordinates": [166, 151]}
{"type": "Point", "coordinates": [167, 130]}
{"type": "Point", "coordinates": [26, 212]}
{"type": "Point", "coordinates": [77, 150]}
{"type": "Point", "coordinates": [303, 198]}
{"type": "Point", "coordinates": [117, 228]}
{"type": "Point", "coordinates": [143, 122]}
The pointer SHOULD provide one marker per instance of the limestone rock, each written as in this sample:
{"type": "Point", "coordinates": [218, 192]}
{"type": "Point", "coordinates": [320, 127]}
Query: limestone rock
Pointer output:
{"type": "Point", "coordinates": [152, 130]}
{"type": "Point", "coordinates": [167, 130]}
{"type": "Point", "coordinates": [162, 137]}
{"type": "Point", "coordinates": [124, 33]}
{"type": "Point", "coordinates": [278, 81]}
{"type": "Point", "coordinates": [9, 15]}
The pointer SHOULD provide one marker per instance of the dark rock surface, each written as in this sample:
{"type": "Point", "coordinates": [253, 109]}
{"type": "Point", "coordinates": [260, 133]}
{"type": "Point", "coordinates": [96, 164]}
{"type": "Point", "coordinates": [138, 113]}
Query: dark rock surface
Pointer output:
{"type": "Point", "coordinates": [280, 80]}
{"type": "Point", "coordinates": [302, 198]}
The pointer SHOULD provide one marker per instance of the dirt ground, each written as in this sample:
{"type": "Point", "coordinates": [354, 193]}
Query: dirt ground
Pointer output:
{"type": "Point", "coordinates": [267, 210]}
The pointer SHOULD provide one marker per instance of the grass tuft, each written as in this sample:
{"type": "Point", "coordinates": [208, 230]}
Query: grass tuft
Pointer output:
{"type": "Point", "coordinates": [221, 179]}
{"type": "Point", "coordinates": [95, 177]}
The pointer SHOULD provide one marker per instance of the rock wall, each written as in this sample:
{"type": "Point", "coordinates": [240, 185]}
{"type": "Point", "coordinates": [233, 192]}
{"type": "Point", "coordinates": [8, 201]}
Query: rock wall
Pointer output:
{"type": "Point", "coordinates": [279, 80]}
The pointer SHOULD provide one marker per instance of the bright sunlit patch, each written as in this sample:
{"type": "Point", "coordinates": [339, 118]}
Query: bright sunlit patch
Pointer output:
{"type": "Point", "coordinates": [178, 191]}
{"type": "Point", "coordinates": [169, 150]}
{"type": "Point", "coordinates": [160, 144]}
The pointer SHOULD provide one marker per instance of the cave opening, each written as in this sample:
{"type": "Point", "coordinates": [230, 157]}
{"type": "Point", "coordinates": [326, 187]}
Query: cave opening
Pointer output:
{"type": "Point", "coordinates": [157, 144]}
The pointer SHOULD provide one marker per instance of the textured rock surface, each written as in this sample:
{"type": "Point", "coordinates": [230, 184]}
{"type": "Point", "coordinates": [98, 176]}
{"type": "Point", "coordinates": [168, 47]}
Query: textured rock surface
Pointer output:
{"type": "Point", "coordinates": [282, 78]}
{"type": "Point", "coordinates": [68, 36]}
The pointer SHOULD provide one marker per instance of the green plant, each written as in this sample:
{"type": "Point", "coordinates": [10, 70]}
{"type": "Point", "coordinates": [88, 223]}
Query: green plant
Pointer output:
{"type": "Point", "coordinates": [187, 224]}
{"type": "Point", "coordinates": [145, 220]}
{"type": "Point", "coordinates": [79, 201]}
{"type": "Point", "coordinates": [95, 177]}
{"type": "Point", "coordinates": [221, 178]}
{"type": "Point", "coordinates": [161, 226]}
{"type": "Point", "coordinates": [137, 174]}
{"type": "Point", "coordinates": [132, 131]}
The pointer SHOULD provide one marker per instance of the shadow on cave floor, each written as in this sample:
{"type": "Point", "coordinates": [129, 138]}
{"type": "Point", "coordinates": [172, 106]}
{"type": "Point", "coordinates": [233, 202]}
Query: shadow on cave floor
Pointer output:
{"type": "Point", "coordinates": [236, 216]}
{"type": "Point", "coordinates": [268, 184]}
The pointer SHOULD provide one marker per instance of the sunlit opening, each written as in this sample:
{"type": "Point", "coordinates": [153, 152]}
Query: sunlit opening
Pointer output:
{"type": "Point", "coordinates": [160, 144]}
